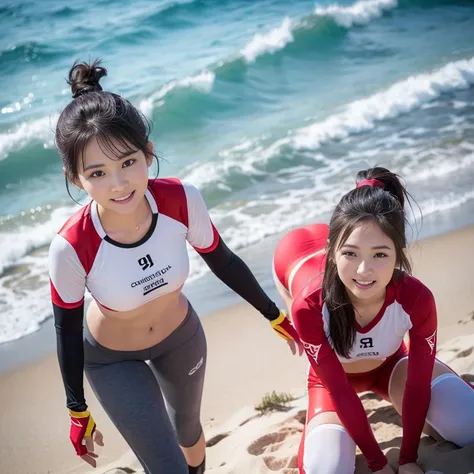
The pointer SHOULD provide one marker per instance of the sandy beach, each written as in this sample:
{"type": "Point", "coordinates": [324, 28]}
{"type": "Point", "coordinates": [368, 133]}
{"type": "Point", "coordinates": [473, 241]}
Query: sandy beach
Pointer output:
{"type": "Point", "coordinates": [246, 360]}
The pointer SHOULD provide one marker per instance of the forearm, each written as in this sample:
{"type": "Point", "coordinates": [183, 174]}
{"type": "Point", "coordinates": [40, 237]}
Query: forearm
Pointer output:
{"type": "Point", "coordinates": [70, 351]}
{"type": "Point", "coordinates": [71, 362]}
{"type": "Point", "coordinates": [352, 415]}
{"type": "Point", "coordinates": [415, 406]}
{"type": "Point", "coordinates": [416, 401]}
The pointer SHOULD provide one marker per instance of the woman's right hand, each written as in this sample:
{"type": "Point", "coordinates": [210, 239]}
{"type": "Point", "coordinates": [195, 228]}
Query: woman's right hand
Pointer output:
{"type": "Point", "coordinates": [285, 330]}
{"type": "Point", "coordinates": [295, 348]}
{"type": "Point", "coordinates": [90, 457]}
{"type": "Point", "coordinates": [83, 434]}
{"type": "Point", "coordinates": [386, 470]}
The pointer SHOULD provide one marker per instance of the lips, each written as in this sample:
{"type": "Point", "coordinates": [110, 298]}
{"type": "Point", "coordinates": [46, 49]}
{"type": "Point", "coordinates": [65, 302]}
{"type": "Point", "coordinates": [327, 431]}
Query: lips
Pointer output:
{"type": "Point", "coordinates": [364, 285]}
{"type": "Point", "coordinates": [124, 199]}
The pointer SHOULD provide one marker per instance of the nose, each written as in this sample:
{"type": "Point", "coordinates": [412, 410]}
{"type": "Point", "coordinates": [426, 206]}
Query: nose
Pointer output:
{"type": "Point", "coordinates": [364, 268]}
{"type": "Point", "coordinates": [118, 182]}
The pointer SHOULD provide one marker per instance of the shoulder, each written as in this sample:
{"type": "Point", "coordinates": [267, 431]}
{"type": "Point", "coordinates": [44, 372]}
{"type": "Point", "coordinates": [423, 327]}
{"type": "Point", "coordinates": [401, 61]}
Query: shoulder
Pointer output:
{"type": "Point", "coordinates": [77, 238]}
{"type": "Point", "coordinates": [171, 188]}
{"type": "Point", "coordinates": [413, 295]}
{"type": "Point", "coordinates": [76, 229]}
{"type": "Point", "coordinates": [162, 186]}
{"type": "Point", "coordinates": [410, 289]}
{"type": "Point", "coordinates": [174, 198]}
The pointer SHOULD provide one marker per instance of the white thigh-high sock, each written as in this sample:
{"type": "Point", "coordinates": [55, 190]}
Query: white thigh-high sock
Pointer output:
{"type": "Point", "coordinates": [451, 411]}
{"type": "Point", "coordinates": [329, 449]}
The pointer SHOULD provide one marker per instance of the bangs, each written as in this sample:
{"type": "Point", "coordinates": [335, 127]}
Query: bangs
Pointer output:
{"type": "Point", "coordinates": [114, 147]}
{"type": "Point", "coordinates": [349, 228]}
{"type": "Point", "coordinates": [114, 143]}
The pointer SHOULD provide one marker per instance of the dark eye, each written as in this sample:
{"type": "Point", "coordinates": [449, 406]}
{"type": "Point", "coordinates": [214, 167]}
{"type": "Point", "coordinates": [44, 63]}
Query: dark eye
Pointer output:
{"type": "Point", "coordinates": [128, 163]}
{"type": "Point", "coordinates": [380, 255]}
{"type": "Point", "coordinates": [349, 254]}
{"type": "Point", "coordinates": [97, 174]}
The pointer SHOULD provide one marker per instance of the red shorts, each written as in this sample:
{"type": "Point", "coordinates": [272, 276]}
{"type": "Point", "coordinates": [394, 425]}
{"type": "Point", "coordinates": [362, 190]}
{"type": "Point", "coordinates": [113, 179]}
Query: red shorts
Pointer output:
{"type": "Point", "coordinates": [299, 256]}
{"type": "Point", "coordinates": [377, 380]}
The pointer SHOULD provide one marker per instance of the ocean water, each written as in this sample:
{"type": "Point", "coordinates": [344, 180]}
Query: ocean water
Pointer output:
{"type": "Point", "coordinates": [269, 107]}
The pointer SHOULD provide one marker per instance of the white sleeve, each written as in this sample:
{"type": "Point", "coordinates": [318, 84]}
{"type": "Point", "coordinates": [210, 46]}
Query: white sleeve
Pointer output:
{"type": "Point", "coordinates": [202, 234]}
{"type": "Point", "coordinates": [67, 275]}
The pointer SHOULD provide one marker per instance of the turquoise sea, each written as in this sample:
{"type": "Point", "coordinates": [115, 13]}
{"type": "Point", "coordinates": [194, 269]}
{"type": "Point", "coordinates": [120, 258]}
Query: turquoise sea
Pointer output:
{"type": "Point", "coordinates": [270, 107]}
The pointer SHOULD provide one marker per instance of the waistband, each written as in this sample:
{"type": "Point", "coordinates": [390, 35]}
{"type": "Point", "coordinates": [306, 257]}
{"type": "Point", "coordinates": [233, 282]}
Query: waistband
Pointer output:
{"type": "Point", "coordinates": [402, 351]}
{"type": "Point", "coordinates": [97, 353]}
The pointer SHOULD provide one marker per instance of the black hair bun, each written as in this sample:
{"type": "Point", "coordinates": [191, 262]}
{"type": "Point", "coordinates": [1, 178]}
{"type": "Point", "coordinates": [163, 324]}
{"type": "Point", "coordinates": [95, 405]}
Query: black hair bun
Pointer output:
{"type": "Point", "coordinates": [85, 77]}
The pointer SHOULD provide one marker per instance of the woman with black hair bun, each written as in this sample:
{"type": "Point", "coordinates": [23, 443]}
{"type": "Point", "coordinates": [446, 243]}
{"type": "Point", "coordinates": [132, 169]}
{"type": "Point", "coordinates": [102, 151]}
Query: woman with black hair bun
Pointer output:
{"type": "Point", "coordinates": [352, 300]}
{"type": "Point", "coordinates": [143, 342]}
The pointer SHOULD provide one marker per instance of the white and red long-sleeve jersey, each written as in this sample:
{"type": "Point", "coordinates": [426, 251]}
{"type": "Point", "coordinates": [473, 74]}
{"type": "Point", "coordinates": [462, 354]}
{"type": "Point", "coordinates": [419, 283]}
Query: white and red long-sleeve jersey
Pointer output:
{"type": "Point", "coordinates": [122, 277]}
{"type": "Point", "coordinates": [409, 306]}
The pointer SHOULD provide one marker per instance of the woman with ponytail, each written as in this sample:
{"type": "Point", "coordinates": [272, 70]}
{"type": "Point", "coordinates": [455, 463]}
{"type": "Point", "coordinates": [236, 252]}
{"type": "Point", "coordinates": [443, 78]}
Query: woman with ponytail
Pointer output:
{"type": "Point", "coordinates": [143, 342]}
{"type": "Point", "coordinates": [352, 299]}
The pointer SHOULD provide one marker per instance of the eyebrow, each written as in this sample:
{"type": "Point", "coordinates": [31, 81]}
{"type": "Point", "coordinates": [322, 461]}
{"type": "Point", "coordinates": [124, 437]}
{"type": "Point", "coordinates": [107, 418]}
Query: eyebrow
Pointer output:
{"type": "Point", "coordinates": [121, 157]}
{"type": "Point", "coordinates": [377, 247]}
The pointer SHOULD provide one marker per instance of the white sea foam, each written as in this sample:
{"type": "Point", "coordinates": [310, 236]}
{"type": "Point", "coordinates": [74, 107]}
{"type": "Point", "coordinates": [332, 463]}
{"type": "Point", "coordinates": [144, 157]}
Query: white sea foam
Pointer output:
{"type": "Point", "coordinates": [450, 200]}
{"type": "Point", "coordinates": [268, 43]}
{"type": "Point", "coordinates": [401, 98]}
{"type": "Point", "coordinates": [40, 130]}
{"type": "Point", "coordinates": [202, 82]}
{"type": "Point", "coordinates": [360, 13]}
{"type": "Point", "coordinates": [359, 116]}
{"type": "Point", "coordinates": [17, 244]}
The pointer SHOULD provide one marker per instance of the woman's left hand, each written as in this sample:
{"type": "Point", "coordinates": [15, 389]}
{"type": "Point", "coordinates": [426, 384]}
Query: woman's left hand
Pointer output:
{"type": "Point", "coordinates": [285, 330]}
{"type": "Point", "coordinates": [410, 468]}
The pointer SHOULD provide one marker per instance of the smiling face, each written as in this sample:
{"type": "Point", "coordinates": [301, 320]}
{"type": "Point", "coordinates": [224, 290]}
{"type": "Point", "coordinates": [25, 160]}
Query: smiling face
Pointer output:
{"type": "Point", "coordinates": [365, 263]}
{"type": "Point", "coordinates": [116, 183]}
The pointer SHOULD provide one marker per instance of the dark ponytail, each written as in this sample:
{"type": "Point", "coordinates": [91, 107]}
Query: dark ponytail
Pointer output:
{"type": "Point", "coordinates": [109, 118]}
{"type": "Point", "coordinates": [385, 207]}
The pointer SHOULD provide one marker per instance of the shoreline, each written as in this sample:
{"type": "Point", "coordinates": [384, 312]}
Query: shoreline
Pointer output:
{"type": "Point", "coordinates": [42, 343]}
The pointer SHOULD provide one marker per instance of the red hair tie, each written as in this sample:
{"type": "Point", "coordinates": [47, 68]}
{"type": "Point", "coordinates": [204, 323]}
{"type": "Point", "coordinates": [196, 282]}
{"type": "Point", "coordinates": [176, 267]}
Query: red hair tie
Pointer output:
{"type": "Point", "coordinates": [370, 182]}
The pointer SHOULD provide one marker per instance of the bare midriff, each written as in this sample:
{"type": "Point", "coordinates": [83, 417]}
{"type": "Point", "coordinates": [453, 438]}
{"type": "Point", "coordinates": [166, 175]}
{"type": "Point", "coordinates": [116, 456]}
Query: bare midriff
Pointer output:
{"type": "Point", "coordinates": [139, 328]}
{"type": "Point", "coordinates": [362, 366]}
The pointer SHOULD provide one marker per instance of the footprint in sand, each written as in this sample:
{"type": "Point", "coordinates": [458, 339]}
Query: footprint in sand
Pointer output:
{"type": "Point", "coordinates": [121, 470]}
{"type": "Point", "coordinates": [268, 443]}
{"type": "Point", "coordinates": [270, 447]}
{"type": "Point", "coordinates": [278, 449]}
{"type": "Point", "coordinates": [216, 439]}
{"type": "Point", "coordinates": [466, 320]}
{"type": "Point", "coordinates": [465, 353]}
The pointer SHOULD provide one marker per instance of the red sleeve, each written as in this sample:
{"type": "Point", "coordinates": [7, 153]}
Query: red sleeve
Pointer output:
{"type": "Point", "coordinates": [309, 324]}
{"type": "Point", "coordinates": [416, 399]}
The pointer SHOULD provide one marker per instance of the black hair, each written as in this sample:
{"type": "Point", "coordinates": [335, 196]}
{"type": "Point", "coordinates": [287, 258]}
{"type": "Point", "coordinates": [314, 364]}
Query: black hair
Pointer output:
{"type": "Point", "coordinates": [113, 121]}
{"type": "Point", "coordinates": [385, 207]}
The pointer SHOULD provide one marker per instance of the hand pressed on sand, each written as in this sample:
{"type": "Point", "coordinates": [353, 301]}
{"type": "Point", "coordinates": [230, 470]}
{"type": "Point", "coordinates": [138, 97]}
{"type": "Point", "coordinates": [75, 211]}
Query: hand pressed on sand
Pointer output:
{"type": "Point", "coordinates": [410, 468]}
{"type": "Point", "coordinates": [386, 470]}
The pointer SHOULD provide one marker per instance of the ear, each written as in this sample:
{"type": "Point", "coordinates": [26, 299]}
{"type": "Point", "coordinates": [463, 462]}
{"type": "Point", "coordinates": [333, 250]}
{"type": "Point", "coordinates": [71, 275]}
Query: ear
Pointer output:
{"type": "Point", "coordinates": [74, 182]}
{"type": "Point", "coordinates": [149, 156]}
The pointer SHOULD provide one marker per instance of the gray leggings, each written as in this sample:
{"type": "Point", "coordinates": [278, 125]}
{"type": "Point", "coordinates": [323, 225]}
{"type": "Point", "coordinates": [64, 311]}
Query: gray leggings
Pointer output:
{"type": "Point", "coordinates": [133, 393]}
